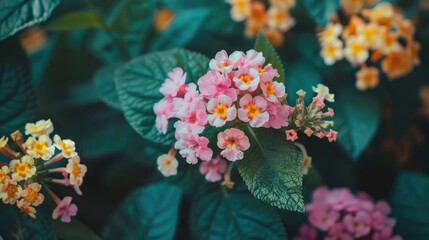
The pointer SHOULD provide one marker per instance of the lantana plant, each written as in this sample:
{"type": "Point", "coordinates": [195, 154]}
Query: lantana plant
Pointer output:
{"type": "Point", "coordinates": [379, 37]}
{"type": "Point", "coordinates": [237, 95]}
{"type": "Point", "coordinates": [26, 178]}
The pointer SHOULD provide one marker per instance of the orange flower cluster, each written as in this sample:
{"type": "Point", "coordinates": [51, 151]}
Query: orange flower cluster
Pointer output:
{"type": "Point", "coordinates": [380, 34]}
{"type": "Point", "coordinates": [272, 22]}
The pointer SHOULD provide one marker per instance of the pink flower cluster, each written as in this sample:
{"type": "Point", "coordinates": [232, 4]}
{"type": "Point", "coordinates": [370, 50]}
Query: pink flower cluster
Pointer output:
{"type": "Point", "coordinates": [341, 215]}
{"type": "Point", "coordinates": [238, 90]}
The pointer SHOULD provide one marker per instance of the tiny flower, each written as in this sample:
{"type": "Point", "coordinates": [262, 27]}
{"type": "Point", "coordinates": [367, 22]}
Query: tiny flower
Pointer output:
{"type": "Point", "coordinates": [370, 34]}
{"type": "Point", "coordinates": [65, 209]}
{"type": "Point", "coordinates": [278, 115]}
{"type": "Point", "coordinates": [167, 164]}
{"type": "Point", "coordinates": [338, 231]}
{"type": "Point", "coordinates": [351, 29]}
{"type": "Point", "coordinates": [332, 135]}
{"type": "Point", "coordinates": [233, 141]}
{"type": "Point", "coordinates": [273, 91]}
{"type": "Point", "coordinates": [332, 51]}
{"type": "Point", "coordinates": [66, 146]}
{"type": "Point", "coordinates": [256, 19]}
{"type": "Point", "coordinates": [306, 232]}
{"type": "Point", "coordinates": [356, 50]}
{"type": "Point", "coordinates": [40, 128]}
{"type": "Point", "coordinates": [381, 13]}
{"type": "Point", "coordinates": [26, 208]}
{"type": "Point", "coordinates": [193, 147]}
{"type": "Point", "coordinates": [247, 79]}
{"type": "Point", "coordinates": [268, 73]}
{"type": "Point", "coordinates": [323, 218]}
{"type": "Point", "coordinates": [213, 169]}
{"type": "Point", "coordinates": [76, 170]}
{"type": "Point", "coordinates": [331, 32]}
{"type": "Point", "coordinates": [367, 78]}
{"type": "Point", "coordinates": [323, 92]}
{"type": "Point", "coordinates": [213, 84]}
{"type": "Point", "coordinates": [192, 116]}
{"type": "Point", "coordinates": [359, 225]}
{"type": "Point", "coordinates": [253, 59]}
{"type": "Point", "coordinates": [164, 110]}
{"type": "Point", "coordinates": [22, 169]}
{"type": "Point", "coordinates": [4, 172]}
{"type": "Point", "coordinates": [301, 93]}
{"type": "Point", "coordinates": [3, 141]}
{"type": "Point", "coordinates": [389, 42]}
{"type": "Point", "coordinates": [222, 111]}
{"type": "Point", "coordinates": [253, 110]}
{"type": "Point", "coordinates": [308, 132]}
{"type": "Point", "coordinates": [31, 194]}
{"type": "Point", "coordinates": [280, 18]}
{"type": "Point", "coordinates": [396, 64]}
{"type": "Point", "coordinates": [240, 9]}
{"type": "Point", "coordinates": [10, 192]}
{"type": "Point", "coordinates": [224, 63]}
{"type": "Point", "coordinates": [174, 85]}
{"type": "Point", "coordinates": [40, 148]}
{"type": "Point", "coordinates": [291, 135]}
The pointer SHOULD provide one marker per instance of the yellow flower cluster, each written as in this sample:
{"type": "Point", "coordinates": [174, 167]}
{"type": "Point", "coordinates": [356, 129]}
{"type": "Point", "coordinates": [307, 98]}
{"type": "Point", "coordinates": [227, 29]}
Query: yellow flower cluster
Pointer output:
{"type": "Point", "coordinates": [272, 22]}
{"type": "Point", "coordinates": [23, 178]}
{"type": "Point", "coordinates": [380, 34]}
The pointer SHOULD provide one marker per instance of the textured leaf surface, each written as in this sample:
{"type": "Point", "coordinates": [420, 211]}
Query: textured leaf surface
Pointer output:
{"type": "Point", "coordinates": [410, 203]}
{"type": "Point", "coordinates": [271, 169]}
{"type": "Point", "coordinates": [19, 14]}
{"type": "Point", "coordinates": [17, 97]}
{"type": "Point", "coordinates": [271, 56]}
{"type": "Point", "coordinates": [356, 119]}
{"type": "Point", "coordinates": [149, 213]}
{"type": "Point", "coordinates": [321, 11]}
{"type": "Point", "coordinates": [138, 83]}
{"type": "Point", "coordinates": [236, 216]}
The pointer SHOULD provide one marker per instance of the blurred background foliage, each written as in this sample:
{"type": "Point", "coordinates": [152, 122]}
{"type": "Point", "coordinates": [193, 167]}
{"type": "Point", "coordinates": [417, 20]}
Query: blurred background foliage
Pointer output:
{"type": "Point", "coordinates": [64, 69]}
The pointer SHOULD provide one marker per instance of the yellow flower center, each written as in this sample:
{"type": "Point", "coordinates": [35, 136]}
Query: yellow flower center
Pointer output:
{"type": "Point", "coordinates": [76, 170]}
{"type": "Point", "coordinates": [329, 32]}
{"type": "Point", "coordinates": [252, 110]}
{"type": "Point", "coordinates": [270, 88]}
{"type": "Point", "coordinates": [221, 110]}
{"type": "Point", "coordinates": [231, 143]}
{"type": "Point", "coordinates": [40, 147]}
{"type": "Point", "coordinates": [35, 128]}
{"type": "Point", "coordinates": [11, 190]}
{"type": "Point", "coordinates": [22, 168]}
{"type": "Point", "coordinates": [261, 70]}
{"type": "Point", "coordinates": [357, 48]}
{"type": "Point", "coordinates": [370, 34]}
{"type": "Point", "coordinates": [31, 196]}
{"type": "Point", "coordinates": [330, 50]}
{"type": "Point", "coordinates": [245, 78]}
{"type": "Point", "coordinates": [389, 40]}
{"type": "Point", "coordinates": [2, 177]}
{"type": "Point", "coordinates": [241, 5]}
{"type": "Point", "coordinates": [66, 148]}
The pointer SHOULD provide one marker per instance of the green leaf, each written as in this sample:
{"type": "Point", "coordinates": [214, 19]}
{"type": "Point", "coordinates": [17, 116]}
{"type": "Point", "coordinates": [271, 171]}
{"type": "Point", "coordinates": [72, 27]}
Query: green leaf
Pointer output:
{"type": "Point", "coordinates": [138, 83]}
{"type": "Point", "coordinates": [410, 203]}
{"type": "Point", "coordinates": [309, 47]}
{"type": "Point", "coordinates": [183, 29]}
{"type": "Point", "coordinates": [39, 228]}
{"type": "Point", "coordinates": [301, 75]}
{"type": "Point", "coordinates": [17, 97]}
{"type": "Point", "coordinates": [272, 169]}
{"type": "Point", "coordinates": [18, 14]}
{"type": "Point", "coordinates": [104, 85]}
{"type": "Point", "coordinates": [148, 213]}
{"type": "Point", "coordinates": [357, 115]}
{"type": "Point", "coordinates": [236, 215]}
{"type": "Point", "coordinates": [270, 54]}
{"type": "Point", "coordinates": [75, 20]}
{"type": "Point", "coordinates": [75, 230]}
{"type": "Point", "coordinates": [321, 11]}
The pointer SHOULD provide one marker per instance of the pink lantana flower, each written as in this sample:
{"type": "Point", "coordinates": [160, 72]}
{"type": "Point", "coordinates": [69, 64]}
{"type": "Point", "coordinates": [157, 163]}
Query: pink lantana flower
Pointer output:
{"type": "Point", "coordinates": [213, 84]}
{"type": "Point", "coordinates": [221, 110]}
{"type": "Point", "coordinates": [385, 234]}
{"type": "Point", "coordinates": [182, 105]}
{"type": "Point", "coordinates": [233, 141]}
{"type": "Point", "coordinates": [224, 63]}
{"type": "Point", "coordinates": [338, 231]}
{"type": "Point", "coordinates": [323, 218]}
{"type": "Point", "coordinates": [174, 85]}
{"type": "Point", "coordinates": [164, 110]}
{"type": "Point", "coordinates": [194, 116]}
{"type": "Point", "coordinates": [253, 59]}
{"type": "Point", "coordinates": [332, 135]}
{"type": "Point", "coordinates": [253, 110]}
{"type": "Point", "coordinates": [213, 169]}
{"type": "Point", "coordinates": [193, 147]}
{"type": "Point", "coordinates": [268, 73]}
{"type": "Point", "coordinates": [291, 135]}
{"type": "Point", "coordinates": [65, 209]}
{"type": "Point", "coordinates": [359, 225]}
{"type": "Point", "coordinates": [273, 91]}
{"type": "Point", "coordinates": [306, 232]}
{"type": "Point", "coordinates": [340, 198]}
{"type": "Point", "coordinates": [278, 115]}
{"type": "Point", "coordinates": [247, 79]}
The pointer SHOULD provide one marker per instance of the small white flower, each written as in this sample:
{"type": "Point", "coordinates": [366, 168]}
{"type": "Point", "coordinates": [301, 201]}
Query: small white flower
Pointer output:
{"type": "Point", "coordinates": [76, 170]}
{"type": "Point", "coordinates": [3, 141]}
{"type": "Point", "coordinates": [41, 127]}
{"type": "Point", "coordinates": [301, 93]}
{"type": "Point", "coordinates": [323, 92]}
{"type": "Point", "coordinates": [167, 165]}
{"type": "Point", "coordinates": [40, 148]}
{"type": "Point", "coordinates": [22, 169]}
{"type": "Point", "coordinates": [66, 146]}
